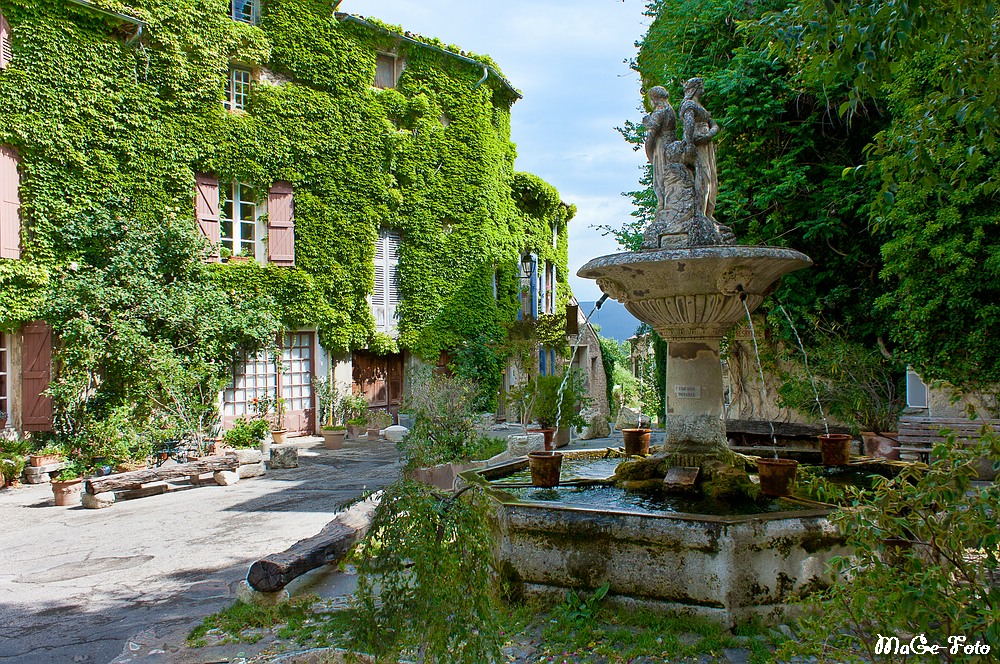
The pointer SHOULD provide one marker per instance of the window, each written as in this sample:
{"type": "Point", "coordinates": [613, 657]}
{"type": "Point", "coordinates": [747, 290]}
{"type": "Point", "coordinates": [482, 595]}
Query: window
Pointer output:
{"type": "Point", "coordinates": [385, 296]}
{"type": "Point", "coordinates": [528, 282]}
{"type": "Point", "coordinates": [6, 50]}
{"type": "Point", "coordinates": [916, 391]}
{"type": "Point", "coordinates": [548, 289]}
{"type": "Point", "coordinates": [247, 11]}
{"type": "Point", "coordinates": [256, 376]}
{"type": "Point", "coordinates": [4, 371]}
{"type": "Point", "coordinates": [241, 229]}
{"type": "Point", "coordinates": [387, 70]}
{"type": "Point", "coordinates": [237, 89]}
{"type": "Point", "coordinates": [10, 205]}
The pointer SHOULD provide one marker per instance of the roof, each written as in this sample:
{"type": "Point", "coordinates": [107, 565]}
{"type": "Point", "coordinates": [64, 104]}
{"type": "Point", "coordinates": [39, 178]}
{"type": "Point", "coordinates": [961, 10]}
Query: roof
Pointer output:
{"type": "Point", "coordinates": [417, 40]}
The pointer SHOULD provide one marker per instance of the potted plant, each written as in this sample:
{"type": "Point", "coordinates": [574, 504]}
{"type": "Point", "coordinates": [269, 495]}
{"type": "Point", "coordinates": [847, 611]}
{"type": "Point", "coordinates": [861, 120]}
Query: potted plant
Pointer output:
{"type": "Point", "coordinates": [355, 410]}
{"type": "Point", "coordinates": [3, 419]}
{"type": "Point", "coordinates": [331, 409]}
{"type": "Point", "coordinates": [777, 476]}
{"type": "Point", "coordinates": [377, 420]}
{"type": "Point", "coordinates": [279, 432]}
{"type": "Point", "coordinates": [246, 433]}
{"type": "Point", "coordinates": [67, 485]}
{"type": "Point", "coordinates": [50, 454]}
{"type": "Point", "coordinates": [545, 468]}
{"type": "Point", "coordinates": [555, 401]}
{"type": "Point", "coordinates": [11, 467]}
{"type": "Point", "coordinates": [245, 256]}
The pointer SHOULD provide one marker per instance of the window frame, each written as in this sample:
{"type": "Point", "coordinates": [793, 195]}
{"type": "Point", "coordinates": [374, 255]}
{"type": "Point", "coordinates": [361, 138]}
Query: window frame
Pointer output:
{"type": "Point", "coordinates": [6, 44]}
{"type": "Point", "coordinates": [397, 70]}
{"type": "Point", "coordinates": [236, 100]}
{"type": "Point", "coordinates": [231, 195]}
{"type": "Point", "coordinates": [254, 17]}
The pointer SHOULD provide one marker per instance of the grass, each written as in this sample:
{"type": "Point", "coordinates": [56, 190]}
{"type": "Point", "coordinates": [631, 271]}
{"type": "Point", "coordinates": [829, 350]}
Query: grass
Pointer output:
{"type": "Point", "coordinates": [536, 632]}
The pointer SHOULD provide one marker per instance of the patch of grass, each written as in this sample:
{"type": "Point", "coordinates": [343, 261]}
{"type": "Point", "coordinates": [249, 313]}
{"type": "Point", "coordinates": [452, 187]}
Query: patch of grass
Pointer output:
{"type": "Point", "coordinates": [235, 620]}
{"type": "Point", "coordinates": [487, 448]}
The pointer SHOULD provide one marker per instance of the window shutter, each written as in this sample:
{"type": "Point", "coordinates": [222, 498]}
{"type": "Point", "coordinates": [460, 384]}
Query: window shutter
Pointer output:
{"type": "Point", "coordinates": [36, 372]}
{"type": "Point", "coordinates": [392, 272]}
{"type": "Point", "coordinates": [385, 71]}
{"type": "Point", "coordinates": [206, 206]}
{"type": "Point", "coordinates": [10, 205]}
{"type": "Point", "coordinates": [378, 295]}
{"type": "Point", "coordinates": [281, 224]}
{"type": "Point", "coordinates": [6, 50]}
{"type": "Point", "coordinates": [534, 285]}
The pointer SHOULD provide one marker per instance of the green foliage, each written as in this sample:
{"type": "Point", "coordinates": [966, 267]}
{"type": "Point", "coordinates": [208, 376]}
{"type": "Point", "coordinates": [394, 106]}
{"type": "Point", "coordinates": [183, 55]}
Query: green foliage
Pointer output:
{"type": "Point", "coordinates": [22, 288]}
{"type": "Point", "coordinates": [577, 609]}
{"type": "Point", "coordinates": [481, 360]}
{"type": "Point", "coordinates": [555, 398]}
{"type": "Point", "coordinates": [355, 408]}
{"type": "Point", "coordinates": [925, 550]}
{"type": "Point", "coordinates": [246, 433]}
{"type": "Point", "coordinates": [11, 466]}
{"type": "Point", "coordinates": [74, 468]}
{"type": "Point", "coordinates": [617, 368]}
{"type": "Point", "coordinates": [443, 412]}
{"type": "Point", "coordinates": [855, 384]}
{"type": "Point", "coordinates": [331, 402]}
{"type": "Point", "coordinates": [240, 617]}
{"type": "Point", "coordinates": [425, 585]}
{"type": "Point", "coordinates": [379, 419]}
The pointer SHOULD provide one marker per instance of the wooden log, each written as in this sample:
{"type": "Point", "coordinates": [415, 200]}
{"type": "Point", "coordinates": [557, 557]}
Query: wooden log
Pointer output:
{"type": "Point", "coordinates": [135, 479]}
{"type": "Point", "coordinates": [276, 571]}
{"type": "Point", "coordinates": [781, 429]}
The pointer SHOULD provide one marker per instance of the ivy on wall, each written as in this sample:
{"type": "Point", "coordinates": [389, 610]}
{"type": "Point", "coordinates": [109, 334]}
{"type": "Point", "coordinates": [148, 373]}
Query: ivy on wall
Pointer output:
{"type": "Point", "coordinates": [125, 127]}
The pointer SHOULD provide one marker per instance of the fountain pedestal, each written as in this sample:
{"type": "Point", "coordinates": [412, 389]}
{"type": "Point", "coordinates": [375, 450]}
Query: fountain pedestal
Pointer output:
{"type": "Point", "coordinates": [692, 297]}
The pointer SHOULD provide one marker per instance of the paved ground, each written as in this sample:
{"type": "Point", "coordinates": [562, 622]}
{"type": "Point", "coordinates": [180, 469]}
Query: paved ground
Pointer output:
{"type": "Point", "coordinates": [80, 585]}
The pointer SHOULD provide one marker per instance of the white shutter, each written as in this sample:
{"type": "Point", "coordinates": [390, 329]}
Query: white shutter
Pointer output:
{"type": "Point", "coordinates": [6, 51]}
{"type": "Point", "coordinates": [392, 274]}
{"type": "Point", "coordinates": [385, 295]}
{"type": "Point", "coordinates": [378, 294]}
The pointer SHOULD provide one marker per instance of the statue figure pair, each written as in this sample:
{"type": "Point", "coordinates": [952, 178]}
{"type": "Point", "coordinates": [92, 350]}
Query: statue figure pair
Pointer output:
{"type": "Point", "coordinates": [685, 180]}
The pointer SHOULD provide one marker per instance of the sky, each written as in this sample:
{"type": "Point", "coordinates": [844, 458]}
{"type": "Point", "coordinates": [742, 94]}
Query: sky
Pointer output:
{"type": "Point", "coordinates": [569, 60]}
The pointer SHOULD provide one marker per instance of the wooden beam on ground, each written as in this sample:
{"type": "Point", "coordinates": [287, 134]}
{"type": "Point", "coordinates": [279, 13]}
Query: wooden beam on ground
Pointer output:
{"type": "Point", "coordinates": [135, 479]}
{"type": "Point", "coordinates": [276, 571]}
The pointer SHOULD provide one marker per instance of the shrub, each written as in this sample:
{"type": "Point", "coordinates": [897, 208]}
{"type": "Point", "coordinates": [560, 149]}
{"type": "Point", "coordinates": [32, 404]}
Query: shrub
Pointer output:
{"type": "Point", "coordinates": [246, 433]}
{"type": "Point", "coordinates": [925, 561]}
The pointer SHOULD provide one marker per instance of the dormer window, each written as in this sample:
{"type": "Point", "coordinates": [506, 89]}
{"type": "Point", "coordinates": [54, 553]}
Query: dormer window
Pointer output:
{"type": "Point", "coordinates": [388, 67]}
{"type": "Point", "coordinates": [237, 89]}
{"type": "Point", "coordinates": [245, 11]}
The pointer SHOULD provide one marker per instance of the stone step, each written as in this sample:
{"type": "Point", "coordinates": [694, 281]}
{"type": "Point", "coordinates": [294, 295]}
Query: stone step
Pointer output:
{"type": "Point", "coordinates": [40, 474]}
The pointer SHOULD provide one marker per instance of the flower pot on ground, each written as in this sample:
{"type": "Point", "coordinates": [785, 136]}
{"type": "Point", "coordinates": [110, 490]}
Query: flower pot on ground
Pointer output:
{"type": "Point", "coordinates": [377, 420]}
{"type": "Point", "coordinates": [67, 485]}
{"type": "Point", "coordinates": [636, 441]}
{"type": "Point", "coordinates": [355, 428]}
{"type": "Point", "coordinates": [545, 467]}
{"type": "Point", "coordinates": [279, 436]}
{"type": "Point", "coordinates": [883, 445]}
{"type": "Point", "coordinates": [835, 448]}
{"type": "Point", "coordinates": [777, 476]}
{"type": "Point", "coordinates": [333, 437]}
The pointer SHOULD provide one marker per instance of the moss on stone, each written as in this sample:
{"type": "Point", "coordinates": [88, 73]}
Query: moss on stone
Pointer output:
{"type": "Point", "coordinates": [649, 468]}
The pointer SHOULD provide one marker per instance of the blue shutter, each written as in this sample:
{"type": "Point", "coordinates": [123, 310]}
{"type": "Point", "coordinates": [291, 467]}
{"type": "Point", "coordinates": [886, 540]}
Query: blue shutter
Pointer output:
{"type": "Point", "coordinates": [541, 361]}
{"type": "Point", "coordinates": [534, 286]}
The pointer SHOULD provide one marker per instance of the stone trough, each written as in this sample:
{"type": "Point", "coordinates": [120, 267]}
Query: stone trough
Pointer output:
{"type": "Point", "coordinates": [727, 568]}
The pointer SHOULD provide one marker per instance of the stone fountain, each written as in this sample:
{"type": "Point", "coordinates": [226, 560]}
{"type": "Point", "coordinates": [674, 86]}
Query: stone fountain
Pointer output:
{"type": "Point", "coordinates": [692, 283]}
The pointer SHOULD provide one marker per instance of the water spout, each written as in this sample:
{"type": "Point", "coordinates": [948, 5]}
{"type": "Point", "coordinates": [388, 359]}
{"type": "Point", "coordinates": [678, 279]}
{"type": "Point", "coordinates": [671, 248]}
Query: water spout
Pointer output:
{"type": "Point", "coordinates": [805, 357]}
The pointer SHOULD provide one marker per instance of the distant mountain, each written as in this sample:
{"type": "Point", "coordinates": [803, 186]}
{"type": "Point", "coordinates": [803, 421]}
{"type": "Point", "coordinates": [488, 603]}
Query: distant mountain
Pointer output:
{"type": "Point", "coordinates": [614, 320]}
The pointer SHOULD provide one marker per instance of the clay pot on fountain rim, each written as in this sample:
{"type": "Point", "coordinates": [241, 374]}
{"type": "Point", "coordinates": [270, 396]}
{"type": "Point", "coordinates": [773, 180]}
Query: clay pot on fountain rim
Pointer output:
{"type": "Point", "coordinates": [545, 467]}
{"type": "Point", "coordinates": [548, 435]}
{"type": "Point", "coordinates": [777, 476]}
{"type": "Point", "coordinates": [835, 448]}
{"type": "Point", "coordinates": [636, 441]}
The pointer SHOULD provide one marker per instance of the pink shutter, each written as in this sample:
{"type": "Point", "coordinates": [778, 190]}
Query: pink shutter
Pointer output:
{"type": "Point", "coordinates": [206, 206]}
{"type": "Point", "coordinates": [36, 372]}
{"type": "Point", "coordinates": [6, 50]}
{"type": "Point", "coordinates": [280, 224]}
{"type": "Point", "coordinates": [10, 205]}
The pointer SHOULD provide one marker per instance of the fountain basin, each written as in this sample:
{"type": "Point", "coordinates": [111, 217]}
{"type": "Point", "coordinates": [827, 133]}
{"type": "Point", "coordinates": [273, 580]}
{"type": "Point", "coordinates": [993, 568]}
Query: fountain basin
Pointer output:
{"type": "Point", "coordinates": [728, 568]}
{"type": "Point", "coordinates": [693, 293]}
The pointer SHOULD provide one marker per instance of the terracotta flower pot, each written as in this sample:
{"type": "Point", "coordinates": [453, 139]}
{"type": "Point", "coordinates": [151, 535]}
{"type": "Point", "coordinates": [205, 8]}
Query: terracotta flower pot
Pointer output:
{"type": "Point", "coordinates": [836, 449]}
{"type": "Point", "coordinates": [636, 441]}
{"type": "Point", "coordinates": [547, 436]}
{"type": "Point", "coordinates": [545, 468]}
{"type": "Point", "coordinates": [354, 431]}
{"type": "Point", "coordinates": [373, 433]}
{"type": "Point", "coordinates": [279, 436]}
{"type": "Point", "coordinates": [777, 476]}
{"type": "Point", "coordinates": [39, 460]}
{"type": "Point", "coordinates": [333, 439]}
{"type": "Point", "coordinates": [68, 492]}
{"type": "Point", "coordinates": [885, 445]}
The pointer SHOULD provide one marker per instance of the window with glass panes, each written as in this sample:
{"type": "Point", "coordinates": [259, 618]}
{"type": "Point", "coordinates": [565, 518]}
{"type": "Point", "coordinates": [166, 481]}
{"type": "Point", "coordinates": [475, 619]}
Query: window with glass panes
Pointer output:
{"type": "Point", "coordinates": [256, 376]}
{"type": "Point", "coordinates": [237, 89]}
{"type": "Point", "coordinates": [247, 11]}
{"type": "Point", "coordinates": [240, 227]}
{"type": "Point", "coordinates": [4, 399]}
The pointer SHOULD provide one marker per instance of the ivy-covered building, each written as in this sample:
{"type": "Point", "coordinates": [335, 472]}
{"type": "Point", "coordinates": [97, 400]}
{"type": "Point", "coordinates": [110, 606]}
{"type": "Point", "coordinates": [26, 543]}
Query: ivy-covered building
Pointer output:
{"type": "Point", "coordinates": [355, 185]}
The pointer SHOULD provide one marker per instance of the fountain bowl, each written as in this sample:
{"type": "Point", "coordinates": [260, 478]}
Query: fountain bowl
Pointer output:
{"type": "Point", "coordinates": [727, 568]}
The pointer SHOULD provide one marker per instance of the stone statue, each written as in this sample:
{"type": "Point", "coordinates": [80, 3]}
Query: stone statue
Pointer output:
{"type": "Point", "coordinates": [684, 174]}
{"type": "Point", "coordinates": [661, 129]}
{"type": "Point", "coordinates": [699, 130]}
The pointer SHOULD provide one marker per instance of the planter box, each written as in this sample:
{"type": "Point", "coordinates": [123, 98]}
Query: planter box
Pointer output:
{"type": "Point", "coordinates": [39, 460]}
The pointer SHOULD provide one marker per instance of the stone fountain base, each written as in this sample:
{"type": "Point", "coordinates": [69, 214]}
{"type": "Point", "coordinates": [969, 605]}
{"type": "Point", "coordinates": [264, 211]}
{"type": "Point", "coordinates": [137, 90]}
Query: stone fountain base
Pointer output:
{"type": "Point", "coordinates": [728, 568]}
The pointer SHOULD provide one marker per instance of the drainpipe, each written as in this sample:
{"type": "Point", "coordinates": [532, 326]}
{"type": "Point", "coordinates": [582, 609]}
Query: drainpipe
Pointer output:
{"type": "Point", "coordinates": [486, 75]}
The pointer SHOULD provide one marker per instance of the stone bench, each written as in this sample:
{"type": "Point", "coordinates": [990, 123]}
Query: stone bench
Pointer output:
{"type": "Point", "coordinates": [919, 435]}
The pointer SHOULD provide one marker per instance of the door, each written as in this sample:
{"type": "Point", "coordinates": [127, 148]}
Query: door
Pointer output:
{"type": "Point", "coordinates": [36, 372]}
{"type": "Point", "coordinates": [380, 379]}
